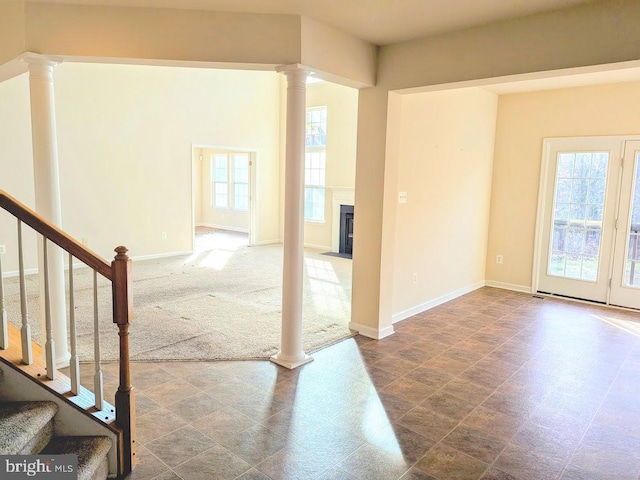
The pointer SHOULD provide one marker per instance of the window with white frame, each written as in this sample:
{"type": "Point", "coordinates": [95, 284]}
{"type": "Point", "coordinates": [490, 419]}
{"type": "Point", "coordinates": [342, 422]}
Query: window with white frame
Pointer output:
{"type": "Point", "coordinates": [230, 180]}
{"type": "Point", "coordinates": [315, 164]}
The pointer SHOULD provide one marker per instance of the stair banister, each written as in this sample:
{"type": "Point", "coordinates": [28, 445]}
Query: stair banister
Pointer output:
{"type": "Point", "coordinates": [122, 315]}
{"type": "Point", "coordinates": [119, 274]}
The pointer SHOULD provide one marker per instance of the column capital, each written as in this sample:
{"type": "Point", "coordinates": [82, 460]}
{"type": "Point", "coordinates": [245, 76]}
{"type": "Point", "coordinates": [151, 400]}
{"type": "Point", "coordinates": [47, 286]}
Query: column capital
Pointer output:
{"type": "Point", "coordinates": [41, 66]}
{"type": "Point", "coordinates": [294, 69]}
{"type": "Point", "coordinates": [37, 59]}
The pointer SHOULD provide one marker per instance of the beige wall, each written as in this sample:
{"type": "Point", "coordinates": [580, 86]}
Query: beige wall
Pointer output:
{"type": "Point", "coordinates": [125, 136]}
{"type": "Point", "coordinates": [588, 34]}
{"type": "Point", "coordinates": [12, 30]}
{"type": "Point", "coordinates": [343, 58]}
{"type": "Point", "coordinates": [523, 121]}
{"type": "Point", "coordinates": [342, 121]}
{"type": "Point", "coordinates": [445, 166]}
{"type": "Point", "coordinates": [16, 167]}
{"type": "Point", "coordinates": [162, 34]}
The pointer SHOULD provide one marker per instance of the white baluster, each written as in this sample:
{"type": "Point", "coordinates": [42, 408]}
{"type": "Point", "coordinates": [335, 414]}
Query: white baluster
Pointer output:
{"type": "Point", "coordinates": [4, 329]}
{"type": "Point", "coordinates": [97, 378]}
{"type": "Point", "coordinates": [50, 347]}
{"type": "Point", "coordinates": [74, 364]}
{"type": "Point", "coordinates": [25, 330]}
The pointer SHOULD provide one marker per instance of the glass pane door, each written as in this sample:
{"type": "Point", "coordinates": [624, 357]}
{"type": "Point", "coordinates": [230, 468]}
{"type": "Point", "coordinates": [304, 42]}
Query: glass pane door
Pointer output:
{"type": "Point", "coordinates": [577, 215]}
{"type": "Point", "coordinates": [579, 186]}
{"type": "Point", "coordinates": [625, 285]}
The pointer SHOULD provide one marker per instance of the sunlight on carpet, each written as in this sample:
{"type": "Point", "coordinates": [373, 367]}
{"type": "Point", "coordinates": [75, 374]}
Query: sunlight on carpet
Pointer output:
{"type": "Point", "coordinates": [216, 304]}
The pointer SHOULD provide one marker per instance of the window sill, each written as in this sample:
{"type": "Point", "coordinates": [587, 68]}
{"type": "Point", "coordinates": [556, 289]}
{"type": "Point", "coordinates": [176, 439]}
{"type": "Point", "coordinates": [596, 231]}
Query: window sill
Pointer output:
{"type": "Point", "coordinates": [315, 222]}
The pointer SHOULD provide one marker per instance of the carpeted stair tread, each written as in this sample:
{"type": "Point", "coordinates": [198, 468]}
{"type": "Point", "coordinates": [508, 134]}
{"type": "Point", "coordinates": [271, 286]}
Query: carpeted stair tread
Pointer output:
{"type": "Point", "coordinates": [25, 427]}
{"type": "Point", "coordinates": [92, 454]}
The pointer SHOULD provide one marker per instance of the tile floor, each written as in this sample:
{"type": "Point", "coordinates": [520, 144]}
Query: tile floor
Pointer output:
{"type": "Point", "coordinates": [494, 385]}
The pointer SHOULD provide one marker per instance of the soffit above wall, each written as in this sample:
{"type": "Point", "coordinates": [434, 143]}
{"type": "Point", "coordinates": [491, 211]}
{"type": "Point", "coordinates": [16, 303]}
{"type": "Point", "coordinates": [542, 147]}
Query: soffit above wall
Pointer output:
{"type": "Point", "coordinates": [380, 22]}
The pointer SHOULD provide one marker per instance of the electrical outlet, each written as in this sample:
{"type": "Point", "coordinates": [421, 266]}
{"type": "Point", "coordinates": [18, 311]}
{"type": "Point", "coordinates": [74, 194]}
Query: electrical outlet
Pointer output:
{"type": "Point", "coordinates": [499, 259]}
{"type": "Point", "coordinates": [415, 278]}
{"type": "Point", "coordinates": [402, 197]}
{"type": "Point", "coordinates": [163, 235]}
{"type": "Point", "coordinates": [3, 249]}
{"type": "Point", "coordinates": [85, 241]}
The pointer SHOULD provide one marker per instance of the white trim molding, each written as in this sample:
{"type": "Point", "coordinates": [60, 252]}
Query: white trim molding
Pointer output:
{"type": "Point", "coordinates": [153, 256]}
{"type": "Point", "coordinates": [423, 307]}
{"type": "Point", "coordinates": [370, 332]}
{"type": "Point", "coordinates": [339, 196]}
{"type": "Point", "coordinates": [223, 227]}
{"type": "Point", "coordinates": [509, 286]}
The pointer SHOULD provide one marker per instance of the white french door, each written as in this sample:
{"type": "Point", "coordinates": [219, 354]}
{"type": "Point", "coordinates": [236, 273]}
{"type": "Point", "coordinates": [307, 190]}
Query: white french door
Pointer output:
{"type": "Point", "coordinates": [589, 214]}
{"type": "Point", "coordinates": [625, 281]}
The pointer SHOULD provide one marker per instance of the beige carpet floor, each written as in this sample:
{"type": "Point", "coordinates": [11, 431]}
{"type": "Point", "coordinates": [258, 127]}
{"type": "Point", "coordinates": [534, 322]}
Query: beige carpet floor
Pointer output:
{"type": "Point", "coordinates": [219, 303]}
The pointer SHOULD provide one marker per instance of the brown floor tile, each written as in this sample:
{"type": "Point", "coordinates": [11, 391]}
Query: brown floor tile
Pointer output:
{"type": "Point", "coordinates": [232, 391]}
{"type": "Point", "coordinates": [553, 443]}
{"type": "Point", "coordinates": [428, 423]}
{"type": "Point", "coordinates": [224, 423]}
{"type": "Point", "coordinates": [195, 407]}
{"type": "Point", "coordinates": [255, 444]}
{"type": "Point", "coordinates": [484, 378]}
{"type": "Point", "coordinates": [261, 406]}
{"type": "Point", "coordinates": [495, 474]}
{"type": "Point", "coordinates": [156, 424]}
{"type": "Point", "coordinates": [451, 366]}
{"type": "Point", "coordinates": [448, 405]}
{"type": "Point", "coordinates": [217, 462]}
{"type": "Point", "coordinates": [409, 390]}
{"type": "Point", "coordinates": [253, 474]}
{"type": "Point", "coordinates": [431, 378]}
{"type": "Point", "coordinates": [374, 463]}
{"type": "Point", "coordinates": [295, 462]}
{"type": "Point", "coordinates": [170, 392]}
{"type": "Point", "coordinates": [601, 461]}
{"type": "Point", "coordinates": [566, 402]}
{"type": "Point", "coordinates": [395, 365]}
{"type": "Point", "coordinates": [393, 406]}
{"type": "Point", "coordinates": [417, 474]}
{"type": "Point", "coordinates": [396, 438]}
{"type": "Point", "coordinates": [147, 465]}
{"type": "Point", "coordinates": [492, 422]}
{"type": "Point", "coordinates": [446, 463]}
{"type": "Point", "coordinates": [470, 392]}
{"type": "Point", "coordinates": [528, 465]}
{"type": "Point", "coordinates": [475, 443]}
{"type": "Point", "coordinates": [180, 446]}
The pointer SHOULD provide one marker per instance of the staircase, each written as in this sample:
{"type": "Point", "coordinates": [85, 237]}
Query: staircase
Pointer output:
{"type": "Point", "coordinates": [28, 428]}
{"type": "Point", "coordinates": [43, 411]}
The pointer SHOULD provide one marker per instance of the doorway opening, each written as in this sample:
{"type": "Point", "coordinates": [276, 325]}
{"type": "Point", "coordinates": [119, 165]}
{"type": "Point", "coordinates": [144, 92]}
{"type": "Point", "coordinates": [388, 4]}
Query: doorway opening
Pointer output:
{"type": "Point", "coordinates": [223, 199]}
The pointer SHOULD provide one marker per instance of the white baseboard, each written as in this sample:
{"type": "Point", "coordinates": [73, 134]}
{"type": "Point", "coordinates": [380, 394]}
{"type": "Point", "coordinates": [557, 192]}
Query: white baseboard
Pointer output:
{"type": "Point", "coordinates": [153, 256]}
{"type": "Point", "coordinates": [223, 227]}
{"type": "Point", "coordinates": [410, 312]}
{"type": "Point", "coordinates": [15, 273]}
{"type": "Point", "coordinates": [509, 286]}
{"type": "Point", "coordinates": [370, 332]}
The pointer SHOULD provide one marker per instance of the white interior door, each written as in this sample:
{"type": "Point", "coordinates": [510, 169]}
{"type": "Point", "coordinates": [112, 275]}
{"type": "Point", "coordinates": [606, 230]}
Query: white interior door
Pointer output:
{"type": "Point", "coordinates": [625, 279]}
{"type": "Point", "coordinates": [579, 200]}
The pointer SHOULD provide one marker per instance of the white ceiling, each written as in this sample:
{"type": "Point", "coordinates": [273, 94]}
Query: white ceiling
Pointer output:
{"type": "Point", "coordinates": [378, 21]}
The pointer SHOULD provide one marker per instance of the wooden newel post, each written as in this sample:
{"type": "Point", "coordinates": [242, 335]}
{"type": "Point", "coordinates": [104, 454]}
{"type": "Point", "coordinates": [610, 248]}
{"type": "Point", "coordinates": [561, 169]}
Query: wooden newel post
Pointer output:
{"type": "Point", "coordinates": [125, 399]}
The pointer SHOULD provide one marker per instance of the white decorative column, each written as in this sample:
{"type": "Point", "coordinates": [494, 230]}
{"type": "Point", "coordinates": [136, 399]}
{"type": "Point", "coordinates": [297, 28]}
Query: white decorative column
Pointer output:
{"type": "Point", "coordinates": [291, 354]}
{"type": "Point", "coordinates": [47, 193]}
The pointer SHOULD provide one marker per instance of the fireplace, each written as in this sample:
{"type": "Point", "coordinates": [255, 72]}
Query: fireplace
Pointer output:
{"type": "Point", "coordinates": [346, 229]}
